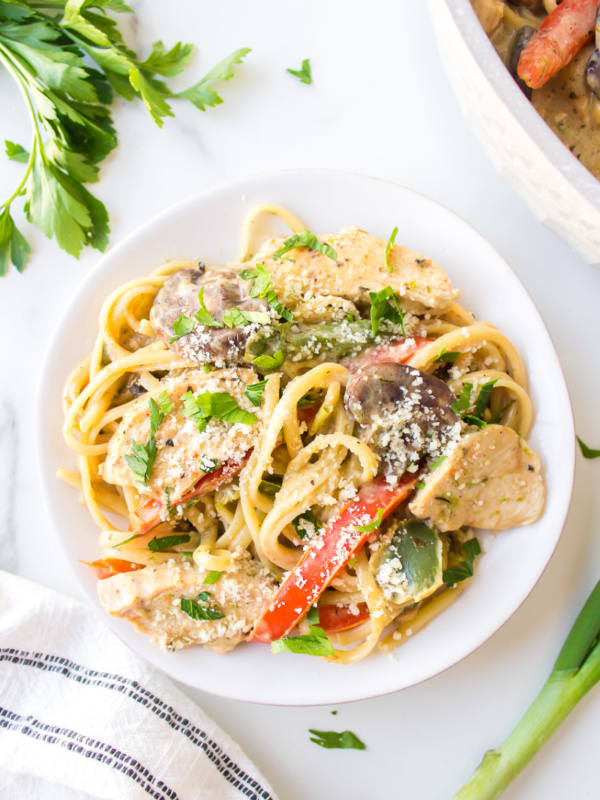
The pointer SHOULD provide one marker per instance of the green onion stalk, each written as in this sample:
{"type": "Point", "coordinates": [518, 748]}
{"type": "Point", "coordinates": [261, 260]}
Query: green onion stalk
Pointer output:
{"type": "Point", "coordinates": [576, 671]}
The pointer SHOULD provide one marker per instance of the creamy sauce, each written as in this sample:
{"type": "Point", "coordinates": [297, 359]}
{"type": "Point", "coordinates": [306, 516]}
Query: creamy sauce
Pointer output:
{"type": "Point", "coordinates": [565, 102]}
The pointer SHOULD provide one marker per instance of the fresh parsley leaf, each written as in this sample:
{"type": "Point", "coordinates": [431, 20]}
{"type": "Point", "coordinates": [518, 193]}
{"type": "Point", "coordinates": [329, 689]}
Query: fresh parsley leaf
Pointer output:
{"type": "Point", "coordinates": [305, 239]}
{"type": "Point", "coordinates": [141, 459]}
{"type": "Point", "coordinates": [166, 542]}
{"type": "Point", "coordinates": [274, 303]}
{"type": "Point", "coordinates": [373, 525]}
{"type": "Point", "coordinates": [219, 405]}
{"type": "Point", "coordinates": [168, 490]}
{"type": "Point", "coordinates": [69, 63]}
{"type": "Point", "coordinates": [263, 280]}
{"type": "Point", "coordinates": [212, 577]}
{"type": "Point", "coordinates": [461, 572]}
{"type": "Point", "coordinates": [337, 741]}
{"type": "Point", "coordinates": [269, 363]}
{"type": "Point", "coordinates": [385, 305]}
{"type": "Point", "coordinates": [203, 94]}
{"type": "Point", "coordinates": [388, 247]}
{"type": "Point", "coordinates": [199, 609]}
{"type": "Point", "coordinates": [470, 419]}
{"type": "Point", "coordinates": [437, 463]}
{"type": "Point", "coordinates": [203, 316]}
{"type": "Point", "coordinates": [164, 402]}
{"type": "Point", "coordinates": [464, 401]}
{"type": "Point", "coordinates": [306, 523]}
{"type": "Point", "coordinates": [497, 417]}
{"type": "Point", "coordinates": [182, 326]}
{"type": "Point", "coordinates": [308, 644]}
{"type": "Point", "coordinates": [254, 392]}
{"type": "Point", "coordinates": [483, 398]}
{"type": "Point", "coordinates": [303, 73]}
{"type": "Point", "coordinates": [236, 318]}
{"type": "Point", "coordinates": [208, 464]}
{"type": "Point", "coordinates": [420, 485]}
{"type": "Point", "coordinates": [586, 451]}
{"type": "Point", "coordinates": [445, 357]}
{"type": "Point", "coordinates": [15, 152]}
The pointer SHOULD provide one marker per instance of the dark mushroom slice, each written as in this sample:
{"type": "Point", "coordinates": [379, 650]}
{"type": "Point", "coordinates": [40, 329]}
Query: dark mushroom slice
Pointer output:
{"type": "Point", "coordinates": [405, 414]}
{"type": "Point", "coordinates": [592, 73]}
{"type": "Point", "coordinates": [223, 291]}
{"type": "Point", "coordinates": [523, 35]}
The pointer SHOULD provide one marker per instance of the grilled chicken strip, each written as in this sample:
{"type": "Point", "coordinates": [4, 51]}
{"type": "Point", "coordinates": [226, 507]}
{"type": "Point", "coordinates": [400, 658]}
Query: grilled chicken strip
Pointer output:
{"type": "Point", "coordinates": [491, 480]}
{"type": "Point", "coordinates": [151, 599]}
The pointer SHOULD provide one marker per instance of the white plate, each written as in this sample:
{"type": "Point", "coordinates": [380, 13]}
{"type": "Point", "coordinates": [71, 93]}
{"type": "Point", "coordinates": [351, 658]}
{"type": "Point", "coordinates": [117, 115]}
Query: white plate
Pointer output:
{"type": "Point", "coordinates": [208, 227]}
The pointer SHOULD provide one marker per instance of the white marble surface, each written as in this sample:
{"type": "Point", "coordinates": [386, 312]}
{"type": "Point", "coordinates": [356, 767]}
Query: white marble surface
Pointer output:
{"type": "Point", "coordinates": [379, 105]}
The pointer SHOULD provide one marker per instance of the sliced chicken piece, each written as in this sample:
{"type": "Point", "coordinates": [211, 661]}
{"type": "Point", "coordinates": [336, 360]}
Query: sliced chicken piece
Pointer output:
{"type": "Point", "coordinates": [359, 268]}
{"type": "Point", "coordinates": [182, 451]}
{"type": "Point", "coordinates": [150, 599]}
{"type": "Point", "coordinates": [491, 480]}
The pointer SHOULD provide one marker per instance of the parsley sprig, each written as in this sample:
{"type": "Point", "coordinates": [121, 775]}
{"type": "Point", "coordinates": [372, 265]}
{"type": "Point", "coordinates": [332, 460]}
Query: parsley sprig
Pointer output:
{"type": "Point", "coordinates": [464, 570]}
{"type": "Point", "coordinates": [304, 73]}
{"type": "Point", "coordinates": [385, 305]}
{"type": "Point", "coordinates": [142, 457]}
{"type": "Point", "coordinates": [218, 405]}
{"type": "Point", "coordinates": [68, 64]}
{"type": "Point", "coordinates": [305, 239]}
{"type": "Point", "coordinates": [314, 643]}
{"type": "Point", "coordinates": [337, 741]}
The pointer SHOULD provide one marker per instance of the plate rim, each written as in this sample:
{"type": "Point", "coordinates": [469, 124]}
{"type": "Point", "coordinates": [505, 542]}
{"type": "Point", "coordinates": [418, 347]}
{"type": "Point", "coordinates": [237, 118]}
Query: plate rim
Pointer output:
{"type": "Point", "coordinates": [43, 452]}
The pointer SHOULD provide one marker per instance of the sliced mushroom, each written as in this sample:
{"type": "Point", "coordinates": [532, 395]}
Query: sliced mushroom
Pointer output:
{"type": "Point", "coordinates": [522, 36]}
{"type": "Point", "coordinates": [223, 290]}
{"type": "Point", "coordinates": [409, 563]}
{"type": "Point", "coordinates": [492, 480]}
{"type": "Point", "coordinates": [405, 414]}
{"type": "Point", "coordinates": [150, 599]}
{"type": "Point", "coordinates": [592, 73]}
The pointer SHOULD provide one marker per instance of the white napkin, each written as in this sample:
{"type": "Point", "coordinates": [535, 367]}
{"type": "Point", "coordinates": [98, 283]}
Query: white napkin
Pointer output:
{"type": "Point", "coordinates": [81, 716]}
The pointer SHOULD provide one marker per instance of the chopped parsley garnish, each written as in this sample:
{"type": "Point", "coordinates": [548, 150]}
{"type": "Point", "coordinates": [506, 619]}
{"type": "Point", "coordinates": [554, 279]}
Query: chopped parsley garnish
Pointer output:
{"type": "Point", "coordinates": [168, 490]}
{"type": "Point", "coordinates": [165, 542]}
{"type": "Point", "coordinates": [314, 643]}
{"type": "Point", "coordinates": [420, 485]}
{"type": "Point", "coordinates": [346, 740]}
{"type": "Point", "coordinates": [204, 316]}
{"type": "Point", "coordinates": [461, 572]}
{"type": "Point", "coordinates": [217, 405]}
{"type": "Point", "coordinates": [483, 398]}
{"type": "Point", "coordinates": [141, 459]}
{"type": "Point", "coordinates": [497, 417]}
{"type": "Point", "coordinates": [385, 305]}
{"type": "Point", "coordinates": [237, 318]}
{"type": "Point", "coordinates": [212, 577]}
{"type": "Point", "coordinates": [200, 609]}
{"type": "Point", "coordinates": [303, 73]}
{"type": "Point", "coordinates": [437, 463]}
{"type": "Point", "coordinates": [470, 419]}
{"type": "Point", "coordinates": [446, 357]}
{"type": "Point", "coordinates": [181, 327]}
{"type": "Point", "coordinates": [305, 239]}
{"type": "Point", "coordinates": [271, 485]}
{"type": "Point", "coordinates": [254, 392]}
{"type": "Point", "coordinates": [464, 401]}
{"type": "Point", "coordinates": [208, 464]}
{"type": "Point", "coordinates": [373, 525]}
{"type": "Point", "coordinates": [306, 523]}
{"type": "Point", "coordinates": [587, 451]}
{"type": "Point", "coordinates": [274, 303]}
{"type": "Point", "coordinates": [388, 247]}
{"type": "Point", "coordinates": [164, 403]}
{"type": "Point", "coordinates": [350, 317]}
{"type": "Point", "coordinates": [263, 280]}
{"type": "Point", "coordinates": [269, 363]}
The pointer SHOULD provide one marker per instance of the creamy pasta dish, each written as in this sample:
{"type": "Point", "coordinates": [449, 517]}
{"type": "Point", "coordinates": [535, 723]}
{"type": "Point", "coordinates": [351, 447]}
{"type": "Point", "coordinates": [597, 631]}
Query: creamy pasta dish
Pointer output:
{"type": "Point", "coordinates": [298, 448]}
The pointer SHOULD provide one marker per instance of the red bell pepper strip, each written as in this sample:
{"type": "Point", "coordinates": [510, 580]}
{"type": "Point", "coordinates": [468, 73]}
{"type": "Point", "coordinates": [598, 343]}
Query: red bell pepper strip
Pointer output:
{"type": "Point", "coordinates": [334, 619]}
{"type": "Point", "coordinates": [152, 510]}
{"type": "Point", "coordinates": [562, 34]}
{"type": "Point", "coordinates": [107, 567]}
{"type": "Point", "coordinates": [328, 554]}
{"type": "Point", "coordinates": [398, 352]}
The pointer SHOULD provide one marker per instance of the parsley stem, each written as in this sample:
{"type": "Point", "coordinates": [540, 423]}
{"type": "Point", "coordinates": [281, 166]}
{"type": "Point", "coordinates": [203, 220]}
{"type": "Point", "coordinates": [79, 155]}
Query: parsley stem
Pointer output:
{"type": "Point", "coordinates": [6, 59]}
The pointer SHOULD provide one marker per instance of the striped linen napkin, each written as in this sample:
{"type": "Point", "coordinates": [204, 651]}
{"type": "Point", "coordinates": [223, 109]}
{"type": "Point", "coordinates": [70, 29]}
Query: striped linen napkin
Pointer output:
{"type": "Point", "coordinates": [81, 716]}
